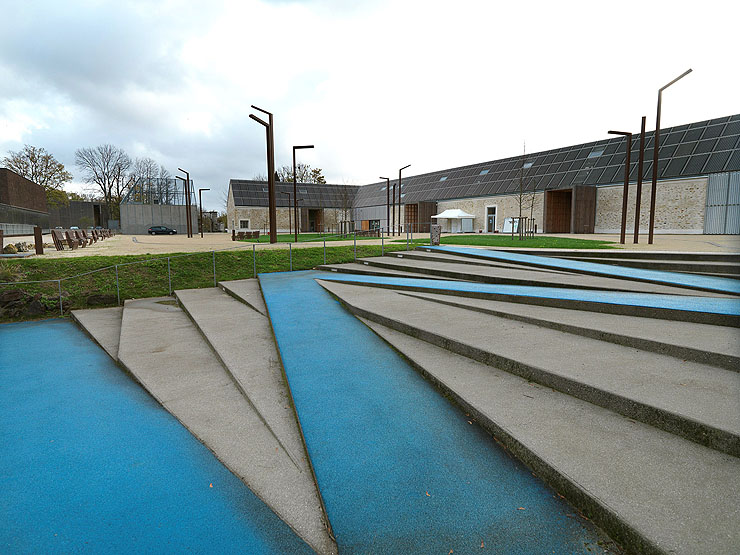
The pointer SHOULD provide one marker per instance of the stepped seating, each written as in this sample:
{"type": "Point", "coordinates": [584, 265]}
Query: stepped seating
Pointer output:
{"type": "Point", "coordinates": [620, 394]}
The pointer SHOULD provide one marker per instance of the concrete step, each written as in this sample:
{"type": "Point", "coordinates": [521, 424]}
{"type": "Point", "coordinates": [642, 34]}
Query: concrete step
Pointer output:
{"type": "Point", "coordinates": [103, 325]}
{"type": "Point", "coordinates": [520, 276]}
{"type": "Point", "coordinates": [161, 347]}
{"type": "Point", "coordinates": [366, 269]}
{"type": "Point", "coordinates": [246, 291]}
{"type": "Point", "coordinates": [651, 491]}
{"type": "Point", "coordinates": [692, 400]}
{"type": "Point", "coordinates": [242, 340]}
{"type": "Point", "coordinates": [459, 259]}
{"type": "Point", "coordinates": [693, 266]}
{"type": "Point", "coordinates": [700, 309]}
{"type": "Point", "coordinates": [704, 343]}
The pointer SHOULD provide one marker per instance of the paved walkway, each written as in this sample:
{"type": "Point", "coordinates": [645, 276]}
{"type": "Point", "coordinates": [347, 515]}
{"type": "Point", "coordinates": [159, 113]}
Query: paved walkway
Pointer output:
{"type": "Point", "coordinates": [400, 468]}
{"type": "Point", "coordinates": [91, 463]}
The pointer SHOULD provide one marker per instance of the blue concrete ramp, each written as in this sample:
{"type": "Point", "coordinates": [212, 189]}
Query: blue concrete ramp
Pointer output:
{"type": "Point", "coordinates": [692, 281]}
{"type": "Point", "coordinates": [91, 463]}
{"type": "Point", "coordinates": [400, 469]}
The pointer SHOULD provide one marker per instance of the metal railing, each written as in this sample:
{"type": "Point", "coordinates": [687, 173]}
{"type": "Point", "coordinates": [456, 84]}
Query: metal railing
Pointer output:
{"type": "Point", "coordinates": [118, 269]}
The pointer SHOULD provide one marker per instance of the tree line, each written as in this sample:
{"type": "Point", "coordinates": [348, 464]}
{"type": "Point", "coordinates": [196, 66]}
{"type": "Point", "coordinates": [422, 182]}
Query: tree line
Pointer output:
{"type": "Point", "coordinates": [108, 169]}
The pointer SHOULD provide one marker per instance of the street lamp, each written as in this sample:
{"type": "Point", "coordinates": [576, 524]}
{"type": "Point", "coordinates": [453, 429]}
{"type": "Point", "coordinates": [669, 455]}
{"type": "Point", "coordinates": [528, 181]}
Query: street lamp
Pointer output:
{"type": "Point", "coordinates": [625, 191]}
{"type": "Point", "coordinates": [270, 138]}
{"type": "Point", "coordinates": [188, 219]}
{"type": "Point", "coordinates": [295, 190]}
{"type": "Point", "coordinates": [387, 205]}
{"type": "Point", "coordinates": [200, 203]}
{"type": "Point", "coordinates": [655, 156]}
{"type": "Point", "coordinates": [638, 193]}
{"type": "Point", "coordinates": [290, 227]}
{"type": "Point", "coordinates": [399, 197]}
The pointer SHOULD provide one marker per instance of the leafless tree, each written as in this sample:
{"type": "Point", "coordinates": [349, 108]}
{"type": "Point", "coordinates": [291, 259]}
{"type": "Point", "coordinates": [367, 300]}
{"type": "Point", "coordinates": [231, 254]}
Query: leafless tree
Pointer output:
{"type": "Point", "coordinates": [106, 168]}
{"type": "Point", "coordinates": [303, 174]}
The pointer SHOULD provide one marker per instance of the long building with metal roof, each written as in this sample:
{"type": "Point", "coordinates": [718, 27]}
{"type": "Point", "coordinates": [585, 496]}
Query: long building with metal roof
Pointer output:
{"type": "Point", "coordinates": [571, 189]}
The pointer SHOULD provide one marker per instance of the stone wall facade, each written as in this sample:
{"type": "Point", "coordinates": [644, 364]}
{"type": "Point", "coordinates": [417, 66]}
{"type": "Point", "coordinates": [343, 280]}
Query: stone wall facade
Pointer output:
{"type": "Point", "coordinates": [679, 207]}
{"type": "Point", "coordinates": [507, 206]}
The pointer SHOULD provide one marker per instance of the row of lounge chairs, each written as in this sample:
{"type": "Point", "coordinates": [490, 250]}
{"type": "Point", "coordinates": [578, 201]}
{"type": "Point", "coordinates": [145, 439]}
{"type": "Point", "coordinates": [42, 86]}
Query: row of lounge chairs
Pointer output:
{"type": "Point", "coordinates": [246, 235]}
{"type": "Point", "coordinates": [75, 238]}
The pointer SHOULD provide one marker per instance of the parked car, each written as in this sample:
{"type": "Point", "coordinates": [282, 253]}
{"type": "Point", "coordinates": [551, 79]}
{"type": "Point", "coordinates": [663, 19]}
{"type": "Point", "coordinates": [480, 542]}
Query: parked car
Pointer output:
{"type": "Point", "coordinates": [161, 230]}
{"type": "Point", "coordinates": [74, 227]}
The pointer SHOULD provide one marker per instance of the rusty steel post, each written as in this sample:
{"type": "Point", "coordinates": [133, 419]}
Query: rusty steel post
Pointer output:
{"type": "Point", "coordinates": [638, 192]}
{"type": "Point", "coordinates": [393, 211]}
{"type": "Point", "coordinates": [188, 219]}
{"type": "Point", "coordinates": [38, 240]}
{"type": "Point", "coordinates": [655, 157]}
{"type": "Point", "coordinates": [625, 190]}
{"type": "Point", "coordinates": [399, 197]}
{"type": "Point", "coordinates": [387, 205]}
{"type": "Point", "coordinates": [270, 139]}
{"type": "Point", "coordinates": [200, 202]}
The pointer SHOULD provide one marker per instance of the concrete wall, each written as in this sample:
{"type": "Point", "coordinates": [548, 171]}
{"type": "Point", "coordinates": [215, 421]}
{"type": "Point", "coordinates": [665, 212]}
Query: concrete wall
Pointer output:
{"type": "Point", "coordinates": [507, 206]}
{"type": "Point", "coordinates": [79, 213]}
{"type": "Point", "coordinates": [21, 216]}
{"type": "Point", "coordinates": [679, 207]}
{"type": "Point", "coordinates": [137, 218]}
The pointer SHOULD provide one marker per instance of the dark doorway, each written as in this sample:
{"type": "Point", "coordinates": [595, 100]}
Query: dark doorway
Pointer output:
{"type": "Point", "coordinates": [315, 221]}
{"type": "Point", "coordinates": [558, 210]}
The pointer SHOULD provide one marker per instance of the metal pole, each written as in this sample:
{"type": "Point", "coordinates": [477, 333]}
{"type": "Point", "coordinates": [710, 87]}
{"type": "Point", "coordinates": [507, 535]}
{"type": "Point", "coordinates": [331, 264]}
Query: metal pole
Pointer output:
{"type": "Point", "coordinates": [355, 238]}
{"type": "Point", "coordinates": [407, 239]}
{"type": "Point", "coordinates": [254, 259]}
{"type": "Point", "coordinates": [270, 139]}
{"type": "Point", "coordinates": [382, 249]}
{"type": "Point", "coordinates": [290, 255]}
{"type": "Point", "coordinates": [393, 210]}
{"type": "Point", "coordinates": [638, 198]}
{"type": "Point", "coordinates": [625, 190]}
{"type": "Point", "coordinates": [61, 306]}
{"type": "Point", "coordinates": [169, 277]}
{"type": "Point", "coordinates": [655, 157]}
{"type": "Point", "coordinates": [399, 197]}
{"type": "Point", "coordinates": [324, 250]}
{"type": "Point", "coordinates": [200, 203]}
{"type": "Point", "coordinates": [118, 289]}
{"type": "Point", "coordinates": [295, 197]}
{"type": "Point", "coordinates": [387, 204]}
{"type": "Point", "coordinates": [214, 268]}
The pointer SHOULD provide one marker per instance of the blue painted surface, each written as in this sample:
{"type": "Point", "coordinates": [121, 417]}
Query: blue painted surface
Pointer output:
{"type": "Point", "coordinates": [90, 462]}
{"type": "Point", "coordinates": [707, 283]}
{"type": "Point", "coordinates": [401, 470]}
{"type": "Point", "coordinates": [710, 305]}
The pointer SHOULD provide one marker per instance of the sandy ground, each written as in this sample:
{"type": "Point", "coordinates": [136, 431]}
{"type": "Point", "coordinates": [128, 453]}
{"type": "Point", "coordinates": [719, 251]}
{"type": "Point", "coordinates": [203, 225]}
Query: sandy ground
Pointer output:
{"type": "Point", "coordinates": [162, 244]}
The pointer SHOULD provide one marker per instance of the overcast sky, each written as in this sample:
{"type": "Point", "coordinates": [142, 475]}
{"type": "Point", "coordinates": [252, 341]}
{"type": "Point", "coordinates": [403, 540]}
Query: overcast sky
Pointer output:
{"type": "Point", "coordinates": [375, 85]}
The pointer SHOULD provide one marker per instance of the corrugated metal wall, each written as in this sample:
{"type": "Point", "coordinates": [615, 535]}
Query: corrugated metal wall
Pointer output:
{"type": "Point", "coordinates": [722, 214]}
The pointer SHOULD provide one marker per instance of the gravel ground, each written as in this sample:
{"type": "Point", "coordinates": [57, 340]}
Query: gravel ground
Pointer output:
{"type": "Point", "coordinates": [162, 244]}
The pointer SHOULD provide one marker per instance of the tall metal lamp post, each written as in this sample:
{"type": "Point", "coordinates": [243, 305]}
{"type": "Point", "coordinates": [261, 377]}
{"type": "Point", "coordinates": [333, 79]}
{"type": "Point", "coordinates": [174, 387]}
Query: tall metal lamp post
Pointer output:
{"type": "Point", "coordinates": [200, 203]}
{"type": "Point", "coordinates": [290, 227]}
{"type": "Point", "coordinates": [625, 191]}
{"type": "Point", "coordinates": [295, 190]}
{"type": "Point", "coordinates": [188, 216]}
{"type": "Point", "coordinates": [387, 205]}
{"type": "Point", "coordinates": [655, 156]}
{"type": "Point", "coordinates": [270, 138]}
{"type": "Point", "coordinates": [399, 197]}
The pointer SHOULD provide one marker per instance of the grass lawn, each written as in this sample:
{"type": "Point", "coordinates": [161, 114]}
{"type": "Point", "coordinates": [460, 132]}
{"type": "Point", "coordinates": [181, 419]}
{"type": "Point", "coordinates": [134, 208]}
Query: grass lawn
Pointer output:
{"type": "Point", "coordinates": [491, 240]}
{"type": "Point", "coordinates": [148, 277]}
{"type": "Point", "coordinates": [305, 238]}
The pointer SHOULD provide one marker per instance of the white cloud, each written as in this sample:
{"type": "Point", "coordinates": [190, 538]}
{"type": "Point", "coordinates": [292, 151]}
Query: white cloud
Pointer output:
{"type": "Point", "coordinates": [374, 85]}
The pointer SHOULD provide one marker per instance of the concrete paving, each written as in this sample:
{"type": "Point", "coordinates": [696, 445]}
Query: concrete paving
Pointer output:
{"type": "Point", "coordinates": [651, 490]}
{"type": "Point", "coordinates": [702, 283]}
{"type": "Point", "coordinates": [521, 276]}
{"type": "Point", "coordinates": [103, 325]}
{"type": "Point", "coordinates": [366, 269]}
{"type": "Point", "coordinates": [715, 345]}
{"type": "Point", "coordinates": [693, 400]}
{"type": "Point", "coordinates": [160, 346]}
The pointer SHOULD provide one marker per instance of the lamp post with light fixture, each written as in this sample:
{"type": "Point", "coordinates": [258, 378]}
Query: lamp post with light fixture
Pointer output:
{"type": "Point", "coordinates": [295, 190]}
{"type": "Point", "coordinates": [200, 204]}
{"type": "Point", "coordinates": [387, 205]}
{"type": "Point", "coordinates": [399, 197]}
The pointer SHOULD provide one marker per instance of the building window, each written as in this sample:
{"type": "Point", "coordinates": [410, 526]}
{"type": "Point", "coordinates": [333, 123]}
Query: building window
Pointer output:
{"type": "Point", "coordinates": [243, 224]}
{"type": "Point", "coordinates": [443, 178]}
{"type": "Point", "coordinates": [527, 165]}
{"type": "Point", "coordinates": [596, 152]}
{"type": "Point", "coordinates": [483, 172]}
